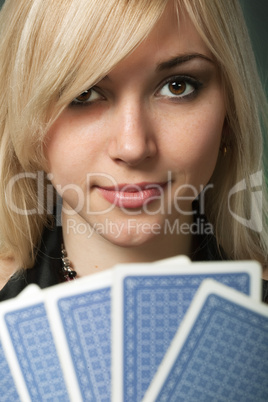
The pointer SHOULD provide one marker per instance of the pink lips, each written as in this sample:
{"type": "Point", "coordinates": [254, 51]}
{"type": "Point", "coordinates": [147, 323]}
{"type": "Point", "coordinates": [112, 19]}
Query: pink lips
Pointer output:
{"type": "Point", "coordinates": [132, 195]}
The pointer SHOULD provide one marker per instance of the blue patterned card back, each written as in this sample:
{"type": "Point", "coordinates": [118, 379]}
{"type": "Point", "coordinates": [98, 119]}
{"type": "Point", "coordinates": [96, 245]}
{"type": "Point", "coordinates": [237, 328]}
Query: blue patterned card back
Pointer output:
{"type": "Point", "coordinates": [8, 390]}
{"type": "Point", "coordinates": [224, 358]}
{"type": "Point", "coordinates": [33, 343]}
{"type": "Point", "coordinates": [153, 308]}
{"type": "Point", "coordinates": [86, 320]}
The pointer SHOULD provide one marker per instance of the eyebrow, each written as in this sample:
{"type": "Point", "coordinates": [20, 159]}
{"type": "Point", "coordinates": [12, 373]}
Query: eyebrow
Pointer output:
{"type": "Point", "coordinates": [175, 61]}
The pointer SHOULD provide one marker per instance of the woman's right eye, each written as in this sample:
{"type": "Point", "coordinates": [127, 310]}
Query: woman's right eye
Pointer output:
{"type": "Point", "coordinates": [87, 97]}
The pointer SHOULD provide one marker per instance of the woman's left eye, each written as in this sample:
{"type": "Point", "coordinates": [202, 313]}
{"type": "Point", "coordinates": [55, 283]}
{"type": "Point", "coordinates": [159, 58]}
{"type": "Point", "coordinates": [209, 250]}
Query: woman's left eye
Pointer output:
{"type": "Point", "coordinates": [179, 87]}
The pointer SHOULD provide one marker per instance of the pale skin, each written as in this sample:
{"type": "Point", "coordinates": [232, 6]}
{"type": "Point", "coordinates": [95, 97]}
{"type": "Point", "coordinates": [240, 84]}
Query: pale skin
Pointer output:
{"type": "Point", "coordinates": [157, 118]}
{"type": "Point", "coordinates": [134, 129]}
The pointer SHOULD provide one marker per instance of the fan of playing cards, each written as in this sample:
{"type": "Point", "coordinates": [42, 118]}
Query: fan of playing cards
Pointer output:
{"type": "Point", "coordinates": [166, 331]}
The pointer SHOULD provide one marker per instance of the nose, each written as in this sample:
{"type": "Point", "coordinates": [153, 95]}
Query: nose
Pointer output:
{"type": "Point", "coordinates": [132, 140]}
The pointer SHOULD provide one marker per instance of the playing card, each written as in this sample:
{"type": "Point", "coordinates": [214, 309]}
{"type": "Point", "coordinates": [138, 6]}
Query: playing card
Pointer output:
{"type": "Point", "coordinates": [30, 351]}
{"type": "Point", "coordinates": [80, 317]}
{"type": "Point", "coordinates": [8, 391]}
{"type": "Point", "coordinates": [29, 292]}
{"type": "Point", "coordinates": [219, 352]}
{"type": "Point", "coordinates": [149, 303]}
{"type": "Point", "coordinates": [177, 260]}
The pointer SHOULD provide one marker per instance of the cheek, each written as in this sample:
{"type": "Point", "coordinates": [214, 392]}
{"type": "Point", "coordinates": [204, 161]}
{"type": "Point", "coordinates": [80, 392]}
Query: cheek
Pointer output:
{"type": "Point", "coordinates": [70, 149]}
{"type": "Point", "coordinates": [204, 145]}
{"type": "Point", "coordinates": [193, 141]}
{"type": "Point", "coordinates": [60, 153]}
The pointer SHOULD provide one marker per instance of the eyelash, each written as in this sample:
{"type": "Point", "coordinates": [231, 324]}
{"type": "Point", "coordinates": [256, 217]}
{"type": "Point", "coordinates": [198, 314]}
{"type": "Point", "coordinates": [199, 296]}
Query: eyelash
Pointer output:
{"type": "Point", "coordinates": [180, 79]}
{"type": "Point", "coordinates": [76, 102]}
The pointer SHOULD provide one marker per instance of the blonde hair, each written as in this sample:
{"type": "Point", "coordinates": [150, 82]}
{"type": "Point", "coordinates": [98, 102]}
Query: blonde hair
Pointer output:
{"type": "Point", "coordinates": [51, 51]}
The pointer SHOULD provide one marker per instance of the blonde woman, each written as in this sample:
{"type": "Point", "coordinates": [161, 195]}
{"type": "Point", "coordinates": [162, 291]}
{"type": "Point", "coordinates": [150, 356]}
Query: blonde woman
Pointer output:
{"type": "Point", "coordinates": [130, 132]}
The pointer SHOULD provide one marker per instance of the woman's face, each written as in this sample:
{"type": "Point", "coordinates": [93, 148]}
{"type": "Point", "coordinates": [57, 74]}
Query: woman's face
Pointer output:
{"type": "Point", "coordinates": [139, 146]}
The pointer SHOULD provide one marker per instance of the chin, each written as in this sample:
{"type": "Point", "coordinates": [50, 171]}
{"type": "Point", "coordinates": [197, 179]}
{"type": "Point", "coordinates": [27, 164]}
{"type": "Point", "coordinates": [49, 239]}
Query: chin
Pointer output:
{"type": "Point", "coordinates": [131, 237]}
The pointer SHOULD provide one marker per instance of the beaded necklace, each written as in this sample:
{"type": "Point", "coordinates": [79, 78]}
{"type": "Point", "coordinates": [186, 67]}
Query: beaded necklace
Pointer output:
{"type": "Point", "coordinates": [69, 272]}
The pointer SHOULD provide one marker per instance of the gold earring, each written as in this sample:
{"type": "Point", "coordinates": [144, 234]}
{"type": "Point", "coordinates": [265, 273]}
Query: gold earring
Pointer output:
{"type": "Point", "coordinates": [224, 150]}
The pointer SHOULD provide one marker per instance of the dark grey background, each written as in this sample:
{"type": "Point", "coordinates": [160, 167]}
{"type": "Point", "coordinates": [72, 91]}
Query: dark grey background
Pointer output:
{"type": "Point", "coordinates": [256, 13]}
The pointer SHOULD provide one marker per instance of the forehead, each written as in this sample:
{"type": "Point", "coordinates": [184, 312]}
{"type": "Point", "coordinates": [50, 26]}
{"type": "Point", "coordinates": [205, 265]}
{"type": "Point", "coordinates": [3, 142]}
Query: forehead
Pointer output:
{"type": "Point", "coordinates": [172, 36]}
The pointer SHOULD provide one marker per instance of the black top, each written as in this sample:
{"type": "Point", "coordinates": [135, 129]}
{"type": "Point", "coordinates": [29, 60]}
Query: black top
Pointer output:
{"type": "Point", "coordinates": [47, 270]}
